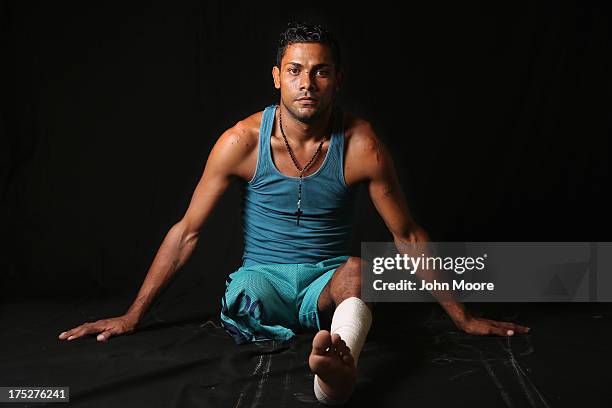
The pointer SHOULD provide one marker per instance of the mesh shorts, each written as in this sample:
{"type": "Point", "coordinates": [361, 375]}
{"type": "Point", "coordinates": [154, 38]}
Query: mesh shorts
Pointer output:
{"type": "Point", "coordinates": [271, 302]}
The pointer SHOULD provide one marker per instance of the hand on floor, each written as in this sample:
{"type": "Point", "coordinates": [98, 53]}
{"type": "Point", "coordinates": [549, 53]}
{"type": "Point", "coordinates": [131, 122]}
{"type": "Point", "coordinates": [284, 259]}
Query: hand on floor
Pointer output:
{"type": "Point", "coordinates": [481, 326]}
{"type": "Point", "coordinates": [106, 327]}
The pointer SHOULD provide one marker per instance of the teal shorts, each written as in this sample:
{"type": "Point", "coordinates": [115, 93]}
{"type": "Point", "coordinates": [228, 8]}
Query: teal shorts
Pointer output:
{"type": "Point", "coordinates": [272, 302]}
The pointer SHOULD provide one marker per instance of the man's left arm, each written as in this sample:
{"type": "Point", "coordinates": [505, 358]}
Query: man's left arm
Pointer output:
{"type": "Point", "coordinates": [387, 196]}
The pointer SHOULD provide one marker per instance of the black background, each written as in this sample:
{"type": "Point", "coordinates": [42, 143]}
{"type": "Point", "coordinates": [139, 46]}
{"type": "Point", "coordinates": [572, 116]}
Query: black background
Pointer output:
{"type": "Point", "coordinates": [497, 117]}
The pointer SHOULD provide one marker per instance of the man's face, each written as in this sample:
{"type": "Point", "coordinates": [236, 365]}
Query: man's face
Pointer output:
{"type": "Point", "coordinates": [307, 79]}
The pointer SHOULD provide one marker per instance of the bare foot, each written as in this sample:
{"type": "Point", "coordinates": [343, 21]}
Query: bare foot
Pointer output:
{"type": "Point", "coordinates": [332, 361]}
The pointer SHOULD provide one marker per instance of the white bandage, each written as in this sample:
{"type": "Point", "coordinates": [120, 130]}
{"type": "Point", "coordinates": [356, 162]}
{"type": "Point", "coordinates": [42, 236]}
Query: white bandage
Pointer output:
{"type": "Point", "coordinates": [352, 320]}
{"type": "Point", "coordinates": [323, 398]}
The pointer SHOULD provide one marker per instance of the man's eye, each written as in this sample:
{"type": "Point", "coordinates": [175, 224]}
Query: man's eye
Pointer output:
{"type": "Point", "coordinates": [294, 71]}
{"type": "Point", "coordinates": [323, 73]}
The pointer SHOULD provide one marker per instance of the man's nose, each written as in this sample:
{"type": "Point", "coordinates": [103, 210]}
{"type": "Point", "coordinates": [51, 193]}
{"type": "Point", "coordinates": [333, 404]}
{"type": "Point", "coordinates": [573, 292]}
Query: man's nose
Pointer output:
{"type": "Point", "coordinates": [307, 81]}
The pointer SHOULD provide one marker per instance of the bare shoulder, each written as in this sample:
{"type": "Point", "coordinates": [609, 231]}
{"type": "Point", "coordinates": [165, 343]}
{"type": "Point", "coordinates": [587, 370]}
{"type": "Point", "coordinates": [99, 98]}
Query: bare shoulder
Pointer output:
{"type": "Point", "coordinates": [243, 136]}
{"type": "Point", "coordinates": [364, 151]}
{"type": "Point", "coordinates": [237, 147]}
{"type": "Point", "coordinates": [360, 137]}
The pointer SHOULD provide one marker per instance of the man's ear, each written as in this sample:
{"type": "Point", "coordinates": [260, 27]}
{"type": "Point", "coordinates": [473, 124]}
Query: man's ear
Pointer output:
{"type": "Point", "coordinates": [276, 76]}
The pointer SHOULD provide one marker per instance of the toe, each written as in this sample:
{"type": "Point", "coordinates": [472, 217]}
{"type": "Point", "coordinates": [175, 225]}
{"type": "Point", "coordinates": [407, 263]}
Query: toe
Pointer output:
{"type": "Point", "coordinates": [348, 359]}
{"type": "Point", "coordinates": [321, 342]}
{"type": "Point", "coordinates": [341, 348]}
{"type": "Point", "coordinates": [345, 352]}
{"type": "Point", "coordinates": [337, 342]}
{"type": "Point", "coordinates": [341, 344]}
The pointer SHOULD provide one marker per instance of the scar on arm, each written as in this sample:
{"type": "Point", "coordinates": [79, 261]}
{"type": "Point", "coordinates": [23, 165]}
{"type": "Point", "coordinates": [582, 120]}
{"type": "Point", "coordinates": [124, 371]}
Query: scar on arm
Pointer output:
{"type": "Point", "coordinates": [388, 190]}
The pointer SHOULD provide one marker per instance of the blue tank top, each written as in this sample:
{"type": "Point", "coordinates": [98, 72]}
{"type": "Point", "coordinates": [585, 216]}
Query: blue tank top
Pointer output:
{"type": "Point", "coordinates": [271, 235]}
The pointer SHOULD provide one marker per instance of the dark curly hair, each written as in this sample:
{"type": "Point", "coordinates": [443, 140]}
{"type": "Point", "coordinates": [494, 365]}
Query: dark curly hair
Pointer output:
{"type": "Point", "coordinates": [307, 33]}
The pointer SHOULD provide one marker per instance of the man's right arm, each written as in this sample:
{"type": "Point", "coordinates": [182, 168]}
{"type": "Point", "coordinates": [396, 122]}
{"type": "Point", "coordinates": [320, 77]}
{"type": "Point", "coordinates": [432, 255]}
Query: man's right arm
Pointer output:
{"type": "Point", "coordinates": [222, 164]}
{"type": "Point", "coordinates": [226, 160]}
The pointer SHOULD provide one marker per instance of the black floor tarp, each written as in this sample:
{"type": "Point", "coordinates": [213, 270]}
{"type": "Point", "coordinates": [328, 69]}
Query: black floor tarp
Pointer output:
{"type": "Point", "coordinates": [413, 359]}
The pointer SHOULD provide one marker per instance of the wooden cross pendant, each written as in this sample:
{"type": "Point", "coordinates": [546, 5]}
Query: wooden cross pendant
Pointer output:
{"type": "Point", "coordinates": [298, 213]}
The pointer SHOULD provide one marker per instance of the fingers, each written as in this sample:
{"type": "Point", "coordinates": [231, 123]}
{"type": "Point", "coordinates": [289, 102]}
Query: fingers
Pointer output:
{"type": "Point", "coordinates": [73, 333]}
{"type": "Point", "coordinates": [480, 326]}
{"type": "Point", "coordinates": [511, 328]}
{"type": "Point", "coordinates": [500, 331]}
{"type": "Point", "coordinates": [520, 329]}
{"type": "Point", "coordinates": [82, 330]}
{"type": "Point", "coordinates": [104, 336]}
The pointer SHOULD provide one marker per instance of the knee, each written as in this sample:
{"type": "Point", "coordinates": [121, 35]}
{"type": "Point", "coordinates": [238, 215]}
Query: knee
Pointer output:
{"type": "Point", "coordinates": [352, 269]}
{"type": "Point", "coordinates": [347, 281]}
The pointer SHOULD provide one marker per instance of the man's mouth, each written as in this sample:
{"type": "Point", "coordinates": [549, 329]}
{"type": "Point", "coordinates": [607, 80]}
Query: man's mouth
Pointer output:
{"type": "Point", "coordinates": [307, 100]}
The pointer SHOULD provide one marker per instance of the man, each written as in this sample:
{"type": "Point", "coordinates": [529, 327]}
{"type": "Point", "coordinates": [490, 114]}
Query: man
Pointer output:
{"type": "Point", "coordinates": [300, 162]}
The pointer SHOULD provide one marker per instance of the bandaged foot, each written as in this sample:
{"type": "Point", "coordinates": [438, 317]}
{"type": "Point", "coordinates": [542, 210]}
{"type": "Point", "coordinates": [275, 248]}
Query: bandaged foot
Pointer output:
{"type": "Point", "coordinates": [334, 355]}
{"type": "Point", "coordinates": [334, 368]}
